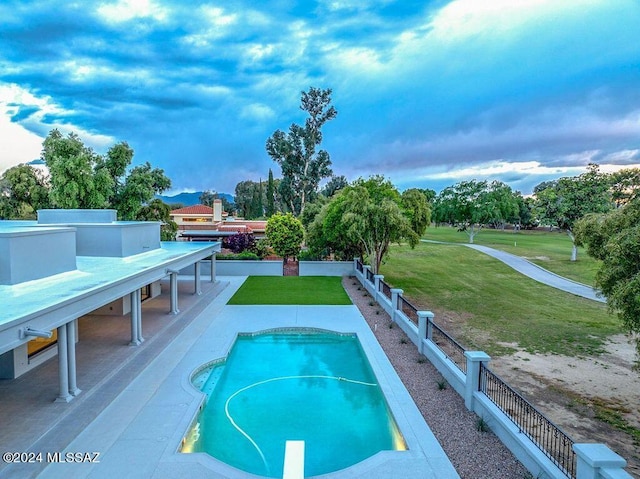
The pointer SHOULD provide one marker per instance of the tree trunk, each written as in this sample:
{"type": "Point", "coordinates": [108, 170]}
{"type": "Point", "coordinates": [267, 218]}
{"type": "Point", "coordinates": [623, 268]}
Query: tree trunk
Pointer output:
{"type": "Point", "coordinates": [574, 248]}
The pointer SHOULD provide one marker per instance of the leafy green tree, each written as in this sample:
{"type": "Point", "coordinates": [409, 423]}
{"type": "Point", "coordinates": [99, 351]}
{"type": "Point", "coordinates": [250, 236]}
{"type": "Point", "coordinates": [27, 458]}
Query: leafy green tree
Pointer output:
{"type": "Point", "coordinates": [158, 210]}
{"type": "Point", "coordinates": [625, 185]}
{"type": "Point", "coordinates": [416, 208]}
{"type": "Point", "coordinates": [614, 238]}
{"type": "Point", "coordinates": [335, 184]}
{"type": "Point", "coordinates": [271, 196]}
{"type": "Point", "coordinates": [375, 224]}
{"type": "Point", "coordinates": [249, 199]}
{"type": "Point", "coordinates": [23, 191]}
{"type": "Point", "coordinates": [525, 217]}
{"type": "Point", "coordinates": [325, 234]}
{"type": "Point", "coordinates": [303, 166]}
{"type": "Point", "coordinates": [470, 205]}
{"type": "Point", "coordinates": [429, 194]}
{"type": "Point", "coordinates": [206, 198]}
{"type": "Point", "coordinates": [312, 210]}
{"type": "Point", "coordinates": [80, 178]}
{"type": "Point", "coordinates": [361, 220]}
{"type": "Point", "coordinates": [256, 208]}
{"type": "Point", "coordinates": [285, 234]}
{"type": "Point", "coordinates": [243, 197]}
{"type": "Point", "coordinates": [503, 203]}
{"type": "Point", "coordinates": [564, 201]}
{"type": "Point", "coordinates": [140, 186]}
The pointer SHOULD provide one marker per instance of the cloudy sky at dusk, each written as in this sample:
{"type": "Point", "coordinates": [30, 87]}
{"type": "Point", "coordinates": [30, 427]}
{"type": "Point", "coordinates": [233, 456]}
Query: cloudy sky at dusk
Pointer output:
{"type": "Point", "coordinates": [428, 93]}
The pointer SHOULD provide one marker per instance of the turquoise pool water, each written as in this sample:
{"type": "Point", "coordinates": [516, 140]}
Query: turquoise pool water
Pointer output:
{"type": "Point", "coordinates": [304, 385]}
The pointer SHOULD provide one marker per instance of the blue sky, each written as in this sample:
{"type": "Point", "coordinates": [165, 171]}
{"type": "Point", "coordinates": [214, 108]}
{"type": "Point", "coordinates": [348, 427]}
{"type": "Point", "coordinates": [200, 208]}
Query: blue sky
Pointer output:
{"type": "Point", "coordinates": [428, 93]}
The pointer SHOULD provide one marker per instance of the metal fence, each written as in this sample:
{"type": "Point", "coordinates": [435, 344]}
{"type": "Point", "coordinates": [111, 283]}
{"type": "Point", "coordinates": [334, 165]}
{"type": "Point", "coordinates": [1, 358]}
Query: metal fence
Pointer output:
{"type": "Point", "coordinates": [548, 437]}
{"type": "Point", "coordinates": [385, 289]}
{"type": "Point", "coordinates": [408, 309]}
{"type": "Point", "coordinates": [551, 440]}
{"type": "Point", "coordinates": [370, 277]}
{"type": "Point", "coordinates": [449, 346]}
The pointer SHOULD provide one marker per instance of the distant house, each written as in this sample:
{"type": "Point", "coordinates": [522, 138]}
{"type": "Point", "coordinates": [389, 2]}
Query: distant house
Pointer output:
{"type": "Point", "coordinates": [194, 217]}
{"type": "Point", "coordinates": [204, 223]}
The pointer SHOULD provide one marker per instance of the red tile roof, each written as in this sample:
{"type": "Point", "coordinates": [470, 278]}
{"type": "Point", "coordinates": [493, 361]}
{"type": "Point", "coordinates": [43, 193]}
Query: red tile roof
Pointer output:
{"type": "Point", "coordinates": [194, 210]}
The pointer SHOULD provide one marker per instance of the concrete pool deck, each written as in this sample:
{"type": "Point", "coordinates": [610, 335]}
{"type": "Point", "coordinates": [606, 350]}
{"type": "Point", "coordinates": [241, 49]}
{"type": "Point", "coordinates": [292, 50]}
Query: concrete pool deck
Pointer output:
{"type": "Point", "coordinates": [139, 432]}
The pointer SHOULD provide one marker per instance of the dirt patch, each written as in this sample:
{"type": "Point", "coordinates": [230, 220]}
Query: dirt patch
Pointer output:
{"type": "Point", "coordinates": [592, 399]}
{"type": "Point", "coordinates": [539, 258]}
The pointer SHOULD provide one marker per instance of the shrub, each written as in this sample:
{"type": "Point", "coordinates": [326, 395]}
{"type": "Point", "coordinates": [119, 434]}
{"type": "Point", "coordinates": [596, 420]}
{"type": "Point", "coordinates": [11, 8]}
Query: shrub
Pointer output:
{"type": "Point", "coordinates": [240, 242]}
{"type": "Point", "coordinates": [285, 234]}
{"type": "Point", "coordinates": [262, 248]}
{"type": "Point", "coordinates": [307, 255]}
{"type": "Point", "coordinates": [247, 255]}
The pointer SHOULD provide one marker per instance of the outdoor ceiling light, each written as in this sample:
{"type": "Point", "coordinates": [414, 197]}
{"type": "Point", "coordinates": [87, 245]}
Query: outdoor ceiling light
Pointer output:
{"type": "Point", "coordinates": [37, 333]}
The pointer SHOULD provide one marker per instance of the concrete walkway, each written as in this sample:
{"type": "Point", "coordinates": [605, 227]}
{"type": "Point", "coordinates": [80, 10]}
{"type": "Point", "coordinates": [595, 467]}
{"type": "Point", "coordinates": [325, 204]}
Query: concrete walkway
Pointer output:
{"type": "Point", "coordinates": [535, 272]}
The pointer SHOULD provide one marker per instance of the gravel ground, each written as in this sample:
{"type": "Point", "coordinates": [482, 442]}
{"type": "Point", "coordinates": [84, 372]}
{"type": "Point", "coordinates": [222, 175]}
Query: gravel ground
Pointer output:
{"type": "Point", "coordinates": [474, 454]}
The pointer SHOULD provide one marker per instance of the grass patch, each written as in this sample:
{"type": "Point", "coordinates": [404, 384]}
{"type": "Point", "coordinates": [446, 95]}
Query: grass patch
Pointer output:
{"type": "Point", "coordinates": [493, 305]}
{"type": "Point", "coordinates": [550, 250]}
{"type": "Point", "coordinates": [613, 415]}
{"type": "Point", "coordinates": [291, 290]}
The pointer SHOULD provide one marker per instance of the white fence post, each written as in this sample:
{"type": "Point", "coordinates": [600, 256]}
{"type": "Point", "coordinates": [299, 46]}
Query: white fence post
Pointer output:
{"type": "Point", "coordinates": [424, 328]}
{"type": "Point", "coordinates": [596, 461]}
{"type": "Point", "coordinates": [474, 358]}
{"type": "Point", "coordinates": [376, 285]}
{"type": "Point", "coordinates": [395, 294]}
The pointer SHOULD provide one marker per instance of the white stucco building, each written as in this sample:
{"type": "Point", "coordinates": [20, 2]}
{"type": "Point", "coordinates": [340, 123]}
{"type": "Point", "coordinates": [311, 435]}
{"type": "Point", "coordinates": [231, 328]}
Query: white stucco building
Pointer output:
{"type": "Point", "coordinates": [70, 263]}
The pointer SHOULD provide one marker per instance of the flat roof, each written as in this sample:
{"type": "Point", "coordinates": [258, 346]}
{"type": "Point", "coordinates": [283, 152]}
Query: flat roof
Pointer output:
{"type": "Point", "coordinates": [93, 275]}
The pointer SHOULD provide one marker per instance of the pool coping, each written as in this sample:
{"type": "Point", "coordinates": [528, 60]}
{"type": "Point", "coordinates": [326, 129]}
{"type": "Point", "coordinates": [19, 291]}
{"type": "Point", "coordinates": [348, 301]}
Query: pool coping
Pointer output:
{"type": "Point", "coordinates": [140, 432]}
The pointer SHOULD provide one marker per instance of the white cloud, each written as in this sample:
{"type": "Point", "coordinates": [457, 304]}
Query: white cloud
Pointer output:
{"type": "Point", "coordinates": [498, 168]}
{"type": "Point", "coordinates": [18, 144]}
{"type": "Point", "coordinates": [217, 16]}
{"type": "Point", "coordinates": [14, 97]}
{"type": "Point", "coordinates": [462, 19]}
{"type": "Point", "coordinates": [212, 24]}
{"type": "Point", "coordinates": [125, 10]}
{"type": "Point", "coordinates": [364, 60]}
{"type": "Point", "coordinates": [257, 112]}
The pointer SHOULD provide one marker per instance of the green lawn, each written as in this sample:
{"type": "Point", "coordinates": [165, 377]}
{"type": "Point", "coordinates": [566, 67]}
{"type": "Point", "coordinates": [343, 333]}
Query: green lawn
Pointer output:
{"type": "Point", "coordinates": [492, 307]}
{"type": "Point", "coordinates": [551, 250]}
{"type": "Point", "coordinates": [291, 290]}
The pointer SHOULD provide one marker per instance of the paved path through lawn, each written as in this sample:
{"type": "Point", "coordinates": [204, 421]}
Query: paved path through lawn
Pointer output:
{"type": "Point", "coordinates": [535, 272]}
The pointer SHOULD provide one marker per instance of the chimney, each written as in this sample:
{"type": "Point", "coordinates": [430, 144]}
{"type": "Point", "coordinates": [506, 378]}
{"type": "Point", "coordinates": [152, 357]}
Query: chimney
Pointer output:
{"type": "Point", "coordinates": [217, 210]}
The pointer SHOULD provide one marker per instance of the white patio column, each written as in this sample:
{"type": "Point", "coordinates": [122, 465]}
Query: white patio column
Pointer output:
{"type": "Point", "coordinates": [135, 321]}
{"type": "Point", "coordinates": [63, 366]}
{"type": "Point", "coordinates": [213, 268]}
{"type": "Point", "coordinates": [174, 292]}
{"type": "Point", "coordinates": [196, 278]}
{"type": "Point", "coordinates": [139, 308]}
{"type": "Point", "coordinates": [71, 357]}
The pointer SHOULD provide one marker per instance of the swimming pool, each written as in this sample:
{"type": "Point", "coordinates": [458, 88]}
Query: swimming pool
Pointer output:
{"type": "Point", "coordinates": [301, 384]}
